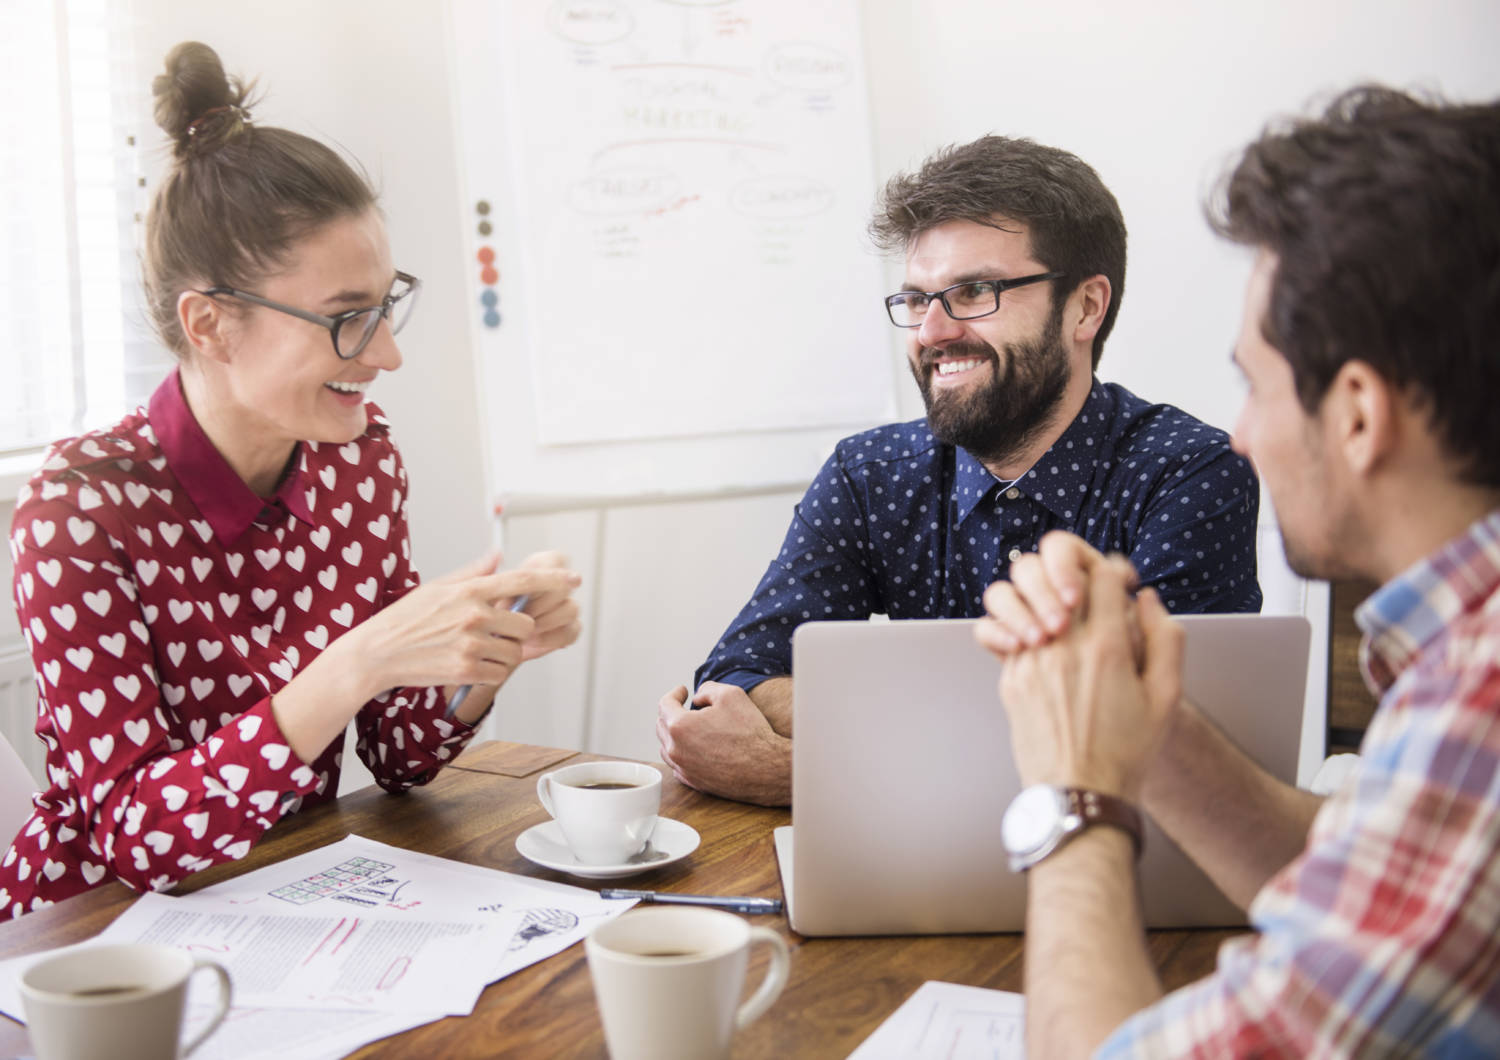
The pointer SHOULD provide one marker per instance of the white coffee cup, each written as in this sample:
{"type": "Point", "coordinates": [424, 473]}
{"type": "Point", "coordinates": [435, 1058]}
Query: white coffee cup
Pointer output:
{"type": "Point", "coordinates": [120, 1001]}
{"type": "Point", "coordinates": [668, 981]}
{"type": "Point", "coordinates": [606, 810]}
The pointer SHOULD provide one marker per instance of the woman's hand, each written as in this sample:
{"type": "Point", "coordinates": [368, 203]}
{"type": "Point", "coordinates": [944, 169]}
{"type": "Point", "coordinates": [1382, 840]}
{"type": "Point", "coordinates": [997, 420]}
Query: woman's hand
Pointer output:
{"type": "Point", "coordinates": [554, 612]}
{"type": "Point", "coordinates": [459, 629]}
{"type": "Point", "coordinates": [456, 630]}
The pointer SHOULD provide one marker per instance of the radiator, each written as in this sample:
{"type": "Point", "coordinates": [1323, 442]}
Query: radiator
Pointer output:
{"type": "Point", "coordinates": [18, 711]}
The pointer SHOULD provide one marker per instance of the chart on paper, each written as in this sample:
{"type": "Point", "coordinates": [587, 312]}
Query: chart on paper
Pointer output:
{"type": "Point", "coordinates": [360, 880]}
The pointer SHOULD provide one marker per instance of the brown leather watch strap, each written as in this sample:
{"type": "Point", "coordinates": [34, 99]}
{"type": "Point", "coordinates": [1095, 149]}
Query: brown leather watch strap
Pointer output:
{"type": "Point", "coordinates": [1095, 807]}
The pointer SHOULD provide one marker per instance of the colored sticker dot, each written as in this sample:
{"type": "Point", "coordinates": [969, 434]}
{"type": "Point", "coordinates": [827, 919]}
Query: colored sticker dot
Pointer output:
{"type": "Point", "coordinates": [486, 255]}
{"type": "Point", "coordinates": [482, 207]}
{"type": "Point", "coordinates": [488, 275]}
{"type": "Point", "coordinates": [491, 319]}
{"type": "Point", "coordinates": [485, 228]}
{"type": "Point", "coordinates": [489, 299]}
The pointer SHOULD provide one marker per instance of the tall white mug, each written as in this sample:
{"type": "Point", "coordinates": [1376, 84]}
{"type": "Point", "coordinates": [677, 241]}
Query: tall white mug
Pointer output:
{"type": "Point", "coordinates": [668, 981]}
{"type": "Point", "coordinates": [124, 1002]}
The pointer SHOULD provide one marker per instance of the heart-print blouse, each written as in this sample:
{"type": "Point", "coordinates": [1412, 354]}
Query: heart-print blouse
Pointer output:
{"type": "Point", "coordinates": [163, 604]}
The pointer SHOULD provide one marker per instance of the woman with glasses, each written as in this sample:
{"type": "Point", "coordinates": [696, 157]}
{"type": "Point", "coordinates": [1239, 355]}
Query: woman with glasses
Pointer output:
{"type": "Point", "coordinates": [212, 588]}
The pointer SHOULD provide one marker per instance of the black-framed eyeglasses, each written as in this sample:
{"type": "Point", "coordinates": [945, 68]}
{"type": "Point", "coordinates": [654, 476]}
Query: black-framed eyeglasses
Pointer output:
{"type": "Point", "coordinates": [963, 301]}
{"type": "Point", "coordinates": [352, 329]}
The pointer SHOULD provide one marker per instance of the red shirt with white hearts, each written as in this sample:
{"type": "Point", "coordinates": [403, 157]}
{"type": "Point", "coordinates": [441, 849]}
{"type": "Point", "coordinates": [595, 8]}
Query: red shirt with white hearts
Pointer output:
{"type": "Point", "coordinates": [163, 603]}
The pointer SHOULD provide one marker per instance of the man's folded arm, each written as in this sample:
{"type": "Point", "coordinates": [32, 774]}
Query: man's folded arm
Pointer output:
{"type": "Point", "coordinates": [1239, 824]}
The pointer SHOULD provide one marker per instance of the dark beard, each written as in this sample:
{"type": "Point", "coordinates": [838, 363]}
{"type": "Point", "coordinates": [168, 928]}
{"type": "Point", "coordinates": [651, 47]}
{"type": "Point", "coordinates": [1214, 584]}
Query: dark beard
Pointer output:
{"type": "Point", "coordinates": [998, 421]}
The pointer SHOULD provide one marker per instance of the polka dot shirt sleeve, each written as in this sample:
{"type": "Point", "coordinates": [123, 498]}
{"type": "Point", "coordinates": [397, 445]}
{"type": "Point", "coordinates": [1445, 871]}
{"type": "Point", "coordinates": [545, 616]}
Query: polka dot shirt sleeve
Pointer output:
{"type": "Point", "coordinates": [820, 573]}
{"type": "Point", "coordinates": [402, 735]}
{"type": "Point", "coordinates": [134, 792]}
{"type": "Point", "coordinates": [1197, 536]}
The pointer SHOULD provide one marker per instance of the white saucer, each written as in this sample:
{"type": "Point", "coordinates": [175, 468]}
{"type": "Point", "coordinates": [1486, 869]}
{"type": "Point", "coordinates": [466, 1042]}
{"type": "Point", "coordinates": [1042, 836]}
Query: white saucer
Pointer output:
{"type": "Point", "coordinates": [544, 845]}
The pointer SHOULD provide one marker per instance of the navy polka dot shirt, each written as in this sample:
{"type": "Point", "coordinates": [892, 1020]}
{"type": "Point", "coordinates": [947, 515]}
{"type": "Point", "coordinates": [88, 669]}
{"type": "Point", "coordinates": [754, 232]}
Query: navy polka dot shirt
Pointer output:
{"type": "Point", "coordinates": [897, 523]}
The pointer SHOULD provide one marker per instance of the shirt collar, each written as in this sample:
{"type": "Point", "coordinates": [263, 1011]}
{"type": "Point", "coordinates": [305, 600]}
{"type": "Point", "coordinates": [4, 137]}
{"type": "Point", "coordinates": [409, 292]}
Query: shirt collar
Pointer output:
{"type": "Point", "coordinates": [1409, 612]}
{"type": "Point", "coordinates": [1064, 470]}
{"type": "Point", "coordinates": [221, 496]}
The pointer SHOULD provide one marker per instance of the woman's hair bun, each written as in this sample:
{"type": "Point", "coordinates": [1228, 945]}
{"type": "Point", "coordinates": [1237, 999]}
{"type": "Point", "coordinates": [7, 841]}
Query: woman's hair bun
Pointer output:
{"type": "Point", "coordinates": [197, 104]}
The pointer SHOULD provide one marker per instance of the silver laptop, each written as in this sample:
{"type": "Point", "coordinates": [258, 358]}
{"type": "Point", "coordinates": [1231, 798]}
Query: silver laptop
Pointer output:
{"type": "Point", "coordinates": [901, 769]}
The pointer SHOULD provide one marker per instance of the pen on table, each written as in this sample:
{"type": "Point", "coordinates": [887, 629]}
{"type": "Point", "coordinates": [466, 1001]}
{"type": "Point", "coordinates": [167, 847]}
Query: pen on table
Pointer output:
{"type": "Point", "coordinates": [739, 904]}
{"type": "Point", "coordinates": [459, 696]}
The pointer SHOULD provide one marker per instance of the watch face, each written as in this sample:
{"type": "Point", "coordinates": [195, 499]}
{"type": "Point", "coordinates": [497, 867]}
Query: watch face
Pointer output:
{"type": "Point", "coordinates": [1032, 818]}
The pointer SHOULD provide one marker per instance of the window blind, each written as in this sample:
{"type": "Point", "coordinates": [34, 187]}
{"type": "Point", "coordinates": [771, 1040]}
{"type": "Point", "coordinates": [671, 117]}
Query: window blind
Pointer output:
{"type": "Point", "coordinates": [75, 349]}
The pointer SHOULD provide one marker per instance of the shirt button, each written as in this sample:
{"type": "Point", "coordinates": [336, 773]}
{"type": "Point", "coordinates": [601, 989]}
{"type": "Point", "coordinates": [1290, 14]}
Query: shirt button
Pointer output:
{"type": "Point", "coordinates": [1015, 554]}
{"type": "Point", "coordinates": [1012, 493]}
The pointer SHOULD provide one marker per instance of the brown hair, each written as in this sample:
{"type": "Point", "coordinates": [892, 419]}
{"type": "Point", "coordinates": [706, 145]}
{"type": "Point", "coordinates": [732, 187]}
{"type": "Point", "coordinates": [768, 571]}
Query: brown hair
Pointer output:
{"type": "Point", "coordinates": [1384, 216]}
{"type": "Point", "coordinates": [238, 195]}
{"type": "Point", "coordinates": [1074, 221]}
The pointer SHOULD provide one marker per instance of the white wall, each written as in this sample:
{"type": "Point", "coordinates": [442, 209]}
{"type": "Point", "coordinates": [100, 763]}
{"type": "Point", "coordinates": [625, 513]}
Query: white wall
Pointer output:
{"type": "Point", "coordinates": [1154, 94]}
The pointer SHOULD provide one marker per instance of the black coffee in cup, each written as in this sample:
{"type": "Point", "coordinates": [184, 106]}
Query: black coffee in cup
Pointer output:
{"type": "Point", "coordinates": [104, 991]}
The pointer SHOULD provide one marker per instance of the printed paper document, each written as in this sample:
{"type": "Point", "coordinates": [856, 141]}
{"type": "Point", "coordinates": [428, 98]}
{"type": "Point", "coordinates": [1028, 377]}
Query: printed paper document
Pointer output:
{"type": "Point", "coordinates": [350, 943]}
{"type": "Point", "coordinates": [951, 1022]}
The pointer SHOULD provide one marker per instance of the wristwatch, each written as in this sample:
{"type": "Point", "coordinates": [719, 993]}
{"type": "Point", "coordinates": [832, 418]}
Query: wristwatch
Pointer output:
{"type": "Point", "coordinates": [1043, 817]}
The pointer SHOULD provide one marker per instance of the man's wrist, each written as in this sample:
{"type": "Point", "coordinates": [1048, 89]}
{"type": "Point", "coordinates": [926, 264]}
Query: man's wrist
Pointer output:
{"type": "Point", "coordinates": [1043, 818]}
{"type": "Point", "coordinates": [1105, 778]}
{"type": "Point", "coordinates": [1096, 847]}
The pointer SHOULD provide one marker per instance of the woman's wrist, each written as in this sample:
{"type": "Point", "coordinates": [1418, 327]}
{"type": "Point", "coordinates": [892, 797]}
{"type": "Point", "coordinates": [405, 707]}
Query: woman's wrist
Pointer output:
{"type": "Point", "coordinates": [349, 664]}
{"type": "Point", "coordinates": [476, 704]}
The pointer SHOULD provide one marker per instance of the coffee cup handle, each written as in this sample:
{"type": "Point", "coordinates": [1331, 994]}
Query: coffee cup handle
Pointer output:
{"type": "Point", "coordinates": [771, 986]}
{"type": "Point", "coordinates": [544, 792]}
{"type": "Point", "coordinates": [225, 991]}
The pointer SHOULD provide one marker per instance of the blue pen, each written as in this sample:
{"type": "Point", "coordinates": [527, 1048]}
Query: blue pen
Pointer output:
{"type": "Point", "coordinates": [463, 692]}
{"type": "Point", "coordinates": [739, 904]}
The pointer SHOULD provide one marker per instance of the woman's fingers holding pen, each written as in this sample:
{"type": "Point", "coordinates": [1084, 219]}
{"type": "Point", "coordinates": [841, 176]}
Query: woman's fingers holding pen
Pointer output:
{"type": "Point", "coordinates": [489, 563]}
{"type": "Point", "coordinates": [459, 629]}
{"type": "Point", "coordinates": [442, 632]}
{"type": "Point", "coordinates": [550, 602]}
{"type": "Point", "coordinates": [544, 579]}
{"type": "Point", "coordinates": [540, 602]}
{"type": "Point", "coordinates": [543, 587]}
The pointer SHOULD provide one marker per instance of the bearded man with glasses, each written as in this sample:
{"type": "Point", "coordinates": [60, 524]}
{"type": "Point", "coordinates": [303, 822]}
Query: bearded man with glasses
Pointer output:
{"type": "Point", "coordinates": [1015, 265]}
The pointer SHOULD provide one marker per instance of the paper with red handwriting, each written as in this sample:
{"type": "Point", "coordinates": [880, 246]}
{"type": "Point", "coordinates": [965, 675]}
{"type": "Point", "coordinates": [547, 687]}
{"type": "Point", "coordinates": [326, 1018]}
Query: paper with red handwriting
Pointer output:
{"type": "Point", "coordinates": [373, 922]}
{"type": "Point", "coordinates": [362, 877]}
{"type": "Point", "coordinates": [326, 958]}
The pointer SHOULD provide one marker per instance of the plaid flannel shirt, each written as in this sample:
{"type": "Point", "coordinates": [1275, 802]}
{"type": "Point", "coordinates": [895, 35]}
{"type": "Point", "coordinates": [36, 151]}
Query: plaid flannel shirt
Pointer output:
{"type": "Point", "coordinates": [1383, 936]}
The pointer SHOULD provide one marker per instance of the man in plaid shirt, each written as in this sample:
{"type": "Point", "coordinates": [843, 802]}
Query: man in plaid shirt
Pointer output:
{"type": "Point", "coordinates": [1369, 347]}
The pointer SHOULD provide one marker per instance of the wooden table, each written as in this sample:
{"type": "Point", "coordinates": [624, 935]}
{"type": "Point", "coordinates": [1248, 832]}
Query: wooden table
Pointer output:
{"type": "Point", "coordinates": [838, 992]}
